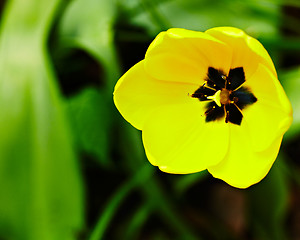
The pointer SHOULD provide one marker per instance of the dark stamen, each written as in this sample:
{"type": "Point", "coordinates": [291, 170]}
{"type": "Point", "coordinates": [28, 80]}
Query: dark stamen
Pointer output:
{"type": "Point", "coordinates": [215, 78]}
{"type": "Point", "coordinates": [232, 99]}
{"type": "Point", "coordinates": [236, 78]}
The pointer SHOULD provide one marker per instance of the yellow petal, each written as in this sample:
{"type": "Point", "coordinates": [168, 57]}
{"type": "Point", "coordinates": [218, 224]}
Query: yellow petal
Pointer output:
{"type": "Point", "coordinates": [180, 55]}
{"type": "Point", "coordinates": [247, 51]}
{"type": "Point", "coordinates": [178, 140]}
{"type": "Point", "coordinates": [173, 67]}
{"type": "Point", "coordinates": [266, 87]}
{"type": "Point", "coordinates": [137, 94]}
{"type": "Point", "coordinates": [242, 166]}
{"type": "Point", "coordinates": [269, 117]}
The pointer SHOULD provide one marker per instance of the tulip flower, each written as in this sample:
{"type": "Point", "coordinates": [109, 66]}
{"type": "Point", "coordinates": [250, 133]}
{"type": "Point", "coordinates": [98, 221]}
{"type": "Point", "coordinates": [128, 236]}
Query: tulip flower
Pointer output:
{"type": "Point", "coordinates": [207, 100]}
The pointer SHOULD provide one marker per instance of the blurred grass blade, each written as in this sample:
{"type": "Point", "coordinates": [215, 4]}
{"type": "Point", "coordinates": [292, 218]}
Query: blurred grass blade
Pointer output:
{"type": "Point", "coordinates": [139, 178]}
{"type": "Point", "coordinates": [138, 220]}
{"type": "Point", "coordinates": [41, 192]}
{"type": "Point", "coordinates": [164, 206]}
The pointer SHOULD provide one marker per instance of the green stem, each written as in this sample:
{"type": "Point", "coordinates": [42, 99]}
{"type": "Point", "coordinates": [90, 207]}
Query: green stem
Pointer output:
{"type": "Point", "coordinates": [114, 203]}
{"type": "Point", "coordinates": [138, 220]}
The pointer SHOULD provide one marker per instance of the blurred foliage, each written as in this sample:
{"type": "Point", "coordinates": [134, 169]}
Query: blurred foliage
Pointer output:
{"type": "Point", "coordinates": [72, 168]}
{"type": "Point", "coordinates": [41, 188]}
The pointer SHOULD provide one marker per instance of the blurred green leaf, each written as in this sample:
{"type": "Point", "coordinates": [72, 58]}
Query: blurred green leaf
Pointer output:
{"type": "Point", "coordinates": [291, 82]}
{"type": "Point", "coordinates": [280, 43]}
{"type": "Point", "coordinates": [89, 111]}
{"type": "Point", "coordinates": [268, 203]}
{"type": "Point", "coordinates": [255, 17]}
{"type": "Point", "coordinates": [41, 189]}
{"type": "Point", "coordinates": [88, 24]}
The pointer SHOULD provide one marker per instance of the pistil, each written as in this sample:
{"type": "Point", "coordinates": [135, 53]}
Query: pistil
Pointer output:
{"type": "Point", "coordinates": [225, 96]}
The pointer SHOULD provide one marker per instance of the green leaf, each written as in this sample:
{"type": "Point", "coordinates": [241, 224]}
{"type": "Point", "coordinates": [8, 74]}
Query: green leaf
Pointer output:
{"type": "Point", "coordinates": [41, 189]}
{"type": "Point", "coordinates": [90, 116]}
{"type": "Point", "coordinates": [88, 25]}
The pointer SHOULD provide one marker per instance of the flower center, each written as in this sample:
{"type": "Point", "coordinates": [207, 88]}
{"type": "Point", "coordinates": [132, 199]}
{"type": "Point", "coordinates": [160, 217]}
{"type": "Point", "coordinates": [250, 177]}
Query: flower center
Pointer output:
{"type": "Point", "coordinates": [226, 95]}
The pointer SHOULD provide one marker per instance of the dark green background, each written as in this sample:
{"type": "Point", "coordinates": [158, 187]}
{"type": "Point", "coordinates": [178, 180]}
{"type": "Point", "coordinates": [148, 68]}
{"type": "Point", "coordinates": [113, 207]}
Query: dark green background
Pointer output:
{"type": "Point", "coordinates": [72, 168]}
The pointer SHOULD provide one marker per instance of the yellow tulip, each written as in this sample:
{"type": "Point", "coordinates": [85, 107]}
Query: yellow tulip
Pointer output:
{"type": "Point", "coordinates": [207, 100]}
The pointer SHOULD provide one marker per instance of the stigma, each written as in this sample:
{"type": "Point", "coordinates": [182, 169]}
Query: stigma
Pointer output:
{"type": "Point", "coordinates": [221, 97]}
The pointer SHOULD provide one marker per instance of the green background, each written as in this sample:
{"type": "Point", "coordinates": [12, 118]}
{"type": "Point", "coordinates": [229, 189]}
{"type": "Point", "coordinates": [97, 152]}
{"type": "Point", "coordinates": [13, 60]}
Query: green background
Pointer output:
{"type": "Point", "coordinates": [72, 168]}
